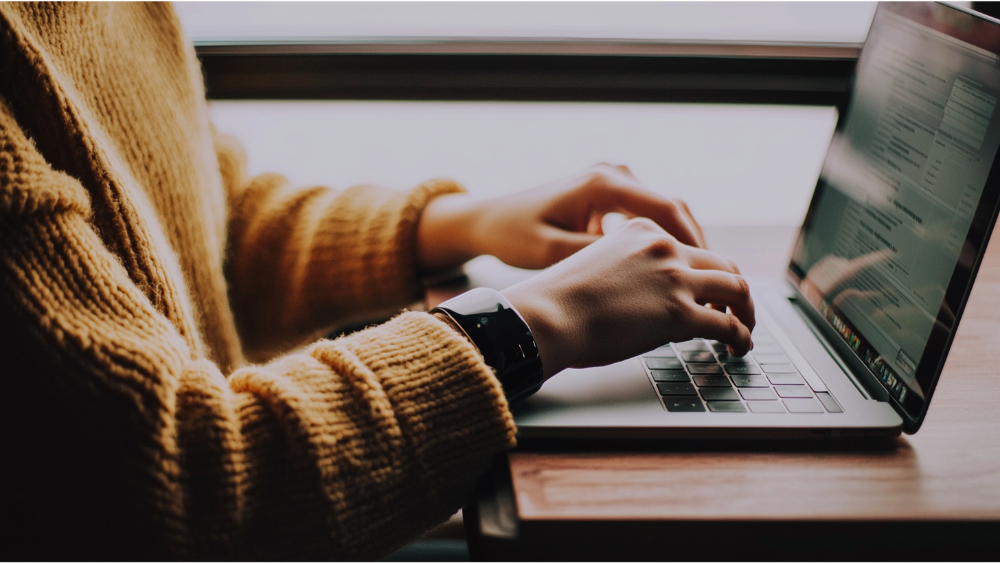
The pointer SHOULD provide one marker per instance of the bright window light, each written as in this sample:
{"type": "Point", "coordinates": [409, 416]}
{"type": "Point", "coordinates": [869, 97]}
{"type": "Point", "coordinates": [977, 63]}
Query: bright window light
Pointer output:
{"type": "Point", "coordinates": [810, 22]}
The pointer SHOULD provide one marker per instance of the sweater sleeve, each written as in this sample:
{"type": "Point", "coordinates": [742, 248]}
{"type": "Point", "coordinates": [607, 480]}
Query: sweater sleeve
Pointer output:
{"type": "Point", "coordinates": [120, 442]}
{"type": "Point", "coordinates": [301, 260]}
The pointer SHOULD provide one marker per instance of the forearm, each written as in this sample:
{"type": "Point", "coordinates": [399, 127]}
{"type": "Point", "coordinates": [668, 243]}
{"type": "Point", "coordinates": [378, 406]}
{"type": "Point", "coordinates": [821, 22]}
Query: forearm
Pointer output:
{"type": "Point", "coordinates": [301, 261]}
{"type": "Point", "coordinates": [345, 449]}
{"type": "Point", "coordinates": [127, 443]}
{"type": "Point", "coordinates": [384, 432]}
{"type": "Point", "coordinates": [448, 232]}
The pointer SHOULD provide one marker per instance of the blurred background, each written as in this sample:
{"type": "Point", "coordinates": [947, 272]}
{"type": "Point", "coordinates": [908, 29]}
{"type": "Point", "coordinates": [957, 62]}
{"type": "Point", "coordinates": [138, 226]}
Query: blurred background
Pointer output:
{"type": "Point", "coordinates": [735, 164]}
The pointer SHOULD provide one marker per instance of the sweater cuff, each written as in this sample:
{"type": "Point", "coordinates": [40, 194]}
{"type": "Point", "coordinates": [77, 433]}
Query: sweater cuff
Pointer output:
{"type": "Point", "coordinates": [409, 220]}
{"type": "Point", "coordinates": [450, 407]}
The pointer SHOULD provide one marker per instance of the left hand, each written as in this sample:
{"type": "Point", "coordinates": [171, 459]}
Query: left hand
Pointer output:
{"type": "Point", "coordinates": [539, 227]}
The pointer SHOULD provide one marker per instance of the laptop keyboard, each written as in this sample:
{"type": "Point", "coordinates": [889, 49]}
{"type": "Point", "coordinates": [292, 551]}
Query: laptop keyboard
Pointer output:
{"type": "Point", "coordinates": [701, 376]}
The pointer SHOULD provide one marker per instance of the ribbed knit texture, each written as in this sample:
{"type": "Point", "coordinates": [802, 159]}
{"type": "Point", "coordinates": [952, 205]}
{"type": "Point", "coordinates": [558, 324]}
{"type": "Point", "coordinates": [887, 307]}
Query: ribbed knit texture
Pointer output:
{"type": "Point", "coordinates": [140, 268]}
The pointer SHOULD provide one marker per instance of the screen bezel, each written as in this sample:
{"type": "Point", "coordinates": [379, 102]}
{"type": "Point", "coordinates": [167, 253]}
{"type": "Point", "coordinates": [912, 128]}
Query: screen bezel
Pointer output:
{"type": "Point", "coordinates": [914, 409]}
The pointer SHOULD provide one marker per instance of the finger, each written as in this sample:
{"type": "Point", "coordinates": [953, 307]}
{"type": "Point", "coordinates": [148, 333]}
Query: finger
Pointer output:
{"type": "Point", "coordinates": [708, 323]}
{"type": "Point", "coordinates": [622, 192]}
{"type": "Point", "coordinates": [687, 210]}
{"type": "Point", "coordinates": [675, 218]}
{"type": "Point", "coordinates": [730, 290]}
{"type": "Point", "coordinates": [595, 225]}
{"type": "Point", "coordinates": [701, 259]}
{"type": "Point", "coordinates": [678, 214]}
{"type": "Point", "coordinates": [611, 222]}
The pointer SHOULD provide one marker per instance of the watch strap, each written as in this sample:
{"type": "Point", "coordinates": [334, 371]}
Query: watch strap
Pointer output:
{"type": "Point", "coordinates": [495, 327]}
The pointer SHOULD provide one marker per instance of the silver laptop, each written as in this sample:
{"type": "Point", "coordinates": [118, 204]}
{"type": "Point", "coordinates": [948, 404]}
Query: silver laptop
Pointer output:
{"type": "Point", "coordinates": [853, 341]}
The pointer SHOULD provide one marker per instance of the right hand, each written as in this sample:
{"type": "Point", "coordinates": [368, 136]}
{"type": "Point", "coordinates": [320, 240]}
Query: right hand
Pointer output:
{"type": "Point", "coordinates": [630, 292]}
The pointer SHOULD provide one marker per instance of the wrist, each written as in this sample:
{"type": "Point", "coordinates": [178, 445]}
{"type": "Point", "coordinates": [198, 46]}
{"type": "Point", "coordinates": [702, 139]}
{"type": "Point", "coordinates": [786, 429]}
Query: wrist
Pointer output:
{"type": "Point", "coordinates": [544, 319]}
{"type": "Point", "coordinates": [446, 233]}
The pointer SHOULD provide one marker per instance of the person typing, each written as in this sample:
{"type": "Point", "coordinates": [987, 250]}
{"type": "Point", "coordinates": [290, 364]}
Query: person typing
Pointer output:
{"type": "Point", "coordinates": [167, 392]}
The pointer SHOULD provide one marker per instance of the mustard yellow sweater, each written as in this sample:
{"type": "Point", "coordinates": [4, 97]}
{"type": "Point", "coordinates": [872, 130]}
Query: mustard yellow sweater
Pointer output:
{"type": "Point", "coordinates": [140, 270]}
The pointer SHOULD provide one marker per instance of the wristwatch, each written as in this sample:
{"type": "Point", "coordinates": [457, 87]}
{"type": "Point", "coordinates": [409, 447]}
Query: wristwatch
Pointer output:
{"type": "Point", "coordinates": [493, 325]}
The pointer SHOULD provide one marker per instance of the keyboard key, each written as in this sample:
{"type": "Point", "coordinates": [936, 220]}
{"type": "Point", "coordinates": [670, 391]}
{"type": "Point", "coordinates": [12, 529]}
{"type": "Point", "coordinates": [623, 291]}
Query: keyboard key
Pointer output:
{"type": "Point", "coordinates": [704, 369]}
{"type": "Point", "coordinates": [698, 357]}
{"type": "Point", "coordinates": [793, 391]}
{"type": "Point", "coordinates": [750, 381]}
{"type": "Point", "coordinates": [785, 379]}
{"type": "Point", "coordinates": [688, 404]}
{"type": "Point", "coordinates": [692, 346]}
{"type": "Point", "coordinates": [803, 405]}
{"type": "Point", "coordinates": [712, 381]}
{"type": "Point", "coordinates": [829, 402]}
{"type": "Point", "coordinates": [766, 349]}
{"type": "Point", "coordinates": [758, 394]}
{"type": "Point", "coordinates": [727, 358]}
{"type": "Point", "coordinates": [719, 394]}
{"type": "Point", "coordinates": [670, 375]}
{"type": "Point", "coordinates": [662, 352]}
{"type": "Point", "coordinates": [742, 369]}
{"type": "Point", "coordinates": [726, 406]}
{"type": "Point", "coordinates": [666, 389]}
{"type": "Point", "coordinates": [778, 368]}
{"type": "Point", "coordinates": [766, 406]}
{"type": "Point", "coordinates": [663, 363]}
{"type": "Point", "coordinates": [719, 347]}
{"type": "Point", "coordinates": [764, 359]}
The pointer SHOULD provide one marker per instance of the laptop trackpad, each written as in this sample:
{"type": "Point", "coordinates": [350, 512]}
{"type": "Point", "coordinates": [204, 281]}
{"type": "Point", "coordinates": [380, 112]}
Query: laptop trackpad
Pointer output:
{"type": "Point", "coordinates": [623, 385]}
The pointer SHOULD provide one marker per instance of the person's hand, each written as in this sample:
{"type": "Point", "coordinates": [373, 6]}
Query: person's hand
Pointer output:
{"type": "Point", "coordinates": [630, 292]}
{"type": "Point", "coordinates": [539, 227]}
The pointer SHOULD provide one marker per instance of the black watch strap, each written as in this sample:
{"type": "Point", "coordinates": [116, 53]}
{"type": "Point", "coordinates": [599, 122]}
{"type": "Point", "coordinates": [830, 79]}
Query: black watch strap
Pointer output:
{"type": "Point", "coordinates": [502, 336]}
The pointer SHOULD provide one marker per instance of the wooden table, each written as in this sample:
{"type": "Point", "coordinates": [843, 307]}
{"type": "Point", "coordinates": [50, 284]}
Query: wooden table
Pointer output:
{"type": "Point", "coordinates": [933, 495]}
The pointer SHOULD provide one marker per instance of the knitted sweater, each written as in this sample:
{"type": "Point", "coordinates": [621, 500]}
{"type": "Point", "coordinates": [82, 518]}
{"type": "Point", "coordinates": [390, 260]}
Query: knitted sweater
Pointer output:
{"type": "Point", "coordinates": [140, 268]}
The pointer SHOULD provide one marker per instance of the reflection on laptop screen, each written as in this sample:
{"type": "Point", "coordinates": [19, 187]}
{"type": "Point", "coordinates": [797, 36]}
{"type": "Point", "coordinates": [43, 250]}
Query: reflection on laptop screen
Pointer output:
{"type": "Point", "coordinates": [900, 189]}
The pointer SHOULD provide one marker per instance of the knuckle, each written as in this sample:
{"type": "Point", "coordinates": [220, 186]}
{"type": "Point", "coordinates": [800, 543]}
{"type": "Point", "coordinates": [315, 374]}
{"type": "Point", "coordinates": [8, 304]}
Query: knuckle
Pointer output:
{"type": "Point", "coordinates": [674, 277]}
{"type": "Point", "coordinates": [661, 247]}
{"type": "Point", "coordinates": [743, 288]}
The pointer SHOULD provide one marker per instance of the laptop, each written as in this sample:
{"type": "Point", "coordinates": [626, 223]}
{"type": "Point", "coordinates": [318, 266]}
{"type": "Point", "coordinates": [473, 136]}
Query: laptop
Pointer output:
{"type": "Point", "coordinates": [852, 342]}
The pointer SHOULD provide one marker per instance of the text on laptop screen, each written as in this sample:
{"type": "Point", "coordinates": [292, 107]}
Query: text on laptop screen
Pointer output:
{"type": "Point", "coordinates": [901, 188]}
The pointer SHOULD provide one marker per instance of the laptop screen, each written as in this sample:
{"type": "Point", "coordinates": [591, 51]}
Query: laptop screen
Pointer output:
{"type": "Point", "coordinates": [907, 195]}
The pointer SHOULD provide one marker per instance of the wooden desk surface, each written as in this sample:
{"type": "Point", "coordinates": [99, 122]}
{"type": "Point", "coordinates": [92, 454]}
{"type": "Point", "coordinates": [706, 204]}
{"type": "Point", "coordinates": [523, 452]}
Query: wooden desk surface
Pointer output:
{"type": "Point", "coordinates": [933, 494]}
